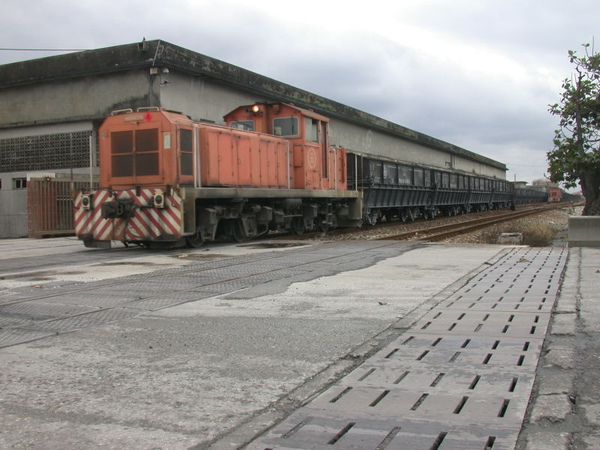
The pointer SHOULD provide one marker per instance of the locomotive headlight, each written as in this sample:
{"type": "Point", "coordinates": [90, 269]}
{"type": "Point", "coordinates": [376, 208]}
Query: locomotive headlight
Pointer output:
{"type": "Point", "coordinates": [256, 109]}
{"type": "Point", "coordinates": [159, 200]}
{"type": "Point", "coordinates": [86, 201]}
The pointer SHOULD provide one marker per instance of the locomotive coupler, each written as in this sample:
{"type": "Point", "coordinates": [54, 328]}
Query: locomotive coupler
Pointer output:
{"type": "Point", "coordinates": [121, 208]}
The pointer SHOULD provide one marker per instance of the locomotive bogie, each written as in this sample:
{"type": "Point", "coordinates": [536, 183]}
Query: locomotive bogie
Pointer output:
{"type": "Point", "coordinates": [242, 214]}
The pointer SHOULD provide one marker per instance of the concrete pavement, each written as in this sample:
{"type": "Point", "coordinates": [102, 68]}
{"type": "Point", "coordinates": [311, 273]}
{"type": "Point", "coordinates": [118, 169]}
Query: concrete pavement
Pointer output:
{"type": "Point", "coordinates": [217, 371]}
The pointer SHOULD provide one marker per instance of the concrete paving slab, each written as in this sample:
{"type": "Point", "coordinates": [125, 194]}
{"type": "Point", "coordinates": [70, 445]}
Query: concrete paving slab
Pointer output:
{"type": "Point", "coordinates": [564, 324]}
{"type": "Point", "coordinates": [552, 408]}
{"type": "Point", "coordinates": [195, 373]}
{"type": "Point", "coordinates": [544, 439]}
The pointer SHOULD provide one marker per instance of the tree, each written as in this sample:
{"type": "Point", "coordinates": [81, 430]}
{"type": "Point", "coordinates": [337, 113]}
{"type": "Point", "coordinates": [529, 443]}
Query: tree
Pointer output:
{"type": "Point", "coordinates": [576, 154]}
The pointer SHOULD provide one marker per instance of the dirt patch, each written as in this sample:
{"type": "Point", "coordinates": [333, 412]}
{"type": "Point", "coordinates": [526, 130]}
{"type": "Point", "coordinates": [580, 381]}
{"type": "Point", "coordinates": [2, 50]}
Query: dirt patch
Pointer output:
{"type": "Point", "coordinates": [540, 230]}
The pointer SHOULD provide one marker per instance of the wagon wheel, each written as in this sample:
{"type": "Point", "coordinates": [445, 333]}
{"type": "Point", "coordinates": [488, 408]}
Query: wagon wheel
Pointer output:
{"type": "Point", "coordinates": [374, 217]}
{"type": "Point", "coordinates": [403, 215]}
{"type": "Point", "coordinates": [322, 225]}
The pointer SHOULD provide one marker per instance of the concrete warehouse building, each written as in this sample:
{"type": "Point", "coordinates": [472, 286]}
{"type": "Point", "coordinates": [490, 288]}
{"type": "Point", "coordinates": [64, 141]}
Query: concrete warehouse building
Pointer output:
{"type": "Point", "coordinates": [52, 108]}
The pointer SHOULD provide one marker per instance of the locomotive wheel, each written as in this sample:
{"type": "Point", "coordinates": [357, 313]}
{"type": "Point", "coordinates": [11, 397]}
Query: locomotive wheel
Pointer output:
{"type": "Point", "coordinates": [195, 240]}
{"type": "Point", "coordinates": [238, 232]}
{"type": "Point", "coordinates": [262, 229]}
{"type": "Point", "coordinates": [297, 226]}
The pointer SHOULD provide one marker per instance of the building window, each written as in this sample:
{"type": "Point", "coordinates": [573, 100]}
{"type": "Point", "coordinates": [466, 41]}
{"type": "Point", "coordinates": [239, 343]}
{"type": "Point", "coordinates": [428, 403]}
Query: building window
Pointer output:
{"type": "Point", "coordinates": [46, 152]}
{"type": "Point", "coordinates": [19, 183]}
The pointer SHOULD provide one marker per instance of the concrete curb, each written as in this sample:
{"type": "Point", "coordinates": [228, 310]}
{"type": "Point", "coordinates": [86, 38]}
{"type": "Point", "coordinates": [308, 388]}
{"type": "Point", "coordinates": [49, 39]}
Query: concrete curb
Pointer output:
{"type": "Point", "coordinates": [553, 396]}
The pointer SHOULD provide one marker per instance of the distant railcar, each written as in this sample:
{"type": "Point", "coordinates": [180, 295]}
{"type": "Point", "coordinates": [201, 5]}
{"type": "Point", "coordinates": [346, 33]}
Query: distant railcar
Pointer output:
{"type": "Point", "coordinates": [529, 194]}
{"type": "Point", "coordinates": [554, 195]}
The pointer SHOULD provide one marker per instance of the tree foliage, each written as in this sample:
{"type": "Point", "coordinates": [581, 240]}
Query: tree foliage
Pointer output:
{"type": "Point", "coordinates": [575, 157]}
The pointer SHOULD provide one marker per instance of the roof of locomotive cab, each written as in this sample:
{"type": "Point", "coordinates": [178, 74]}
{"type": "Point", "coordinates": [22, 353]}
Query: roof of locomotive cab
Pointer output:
{"type": "Point", "coordinates": [305, 112]}
{"type": "Point", "coordinates": [157, 53]}
{"type": "Point", "coordinates": [147, 115]}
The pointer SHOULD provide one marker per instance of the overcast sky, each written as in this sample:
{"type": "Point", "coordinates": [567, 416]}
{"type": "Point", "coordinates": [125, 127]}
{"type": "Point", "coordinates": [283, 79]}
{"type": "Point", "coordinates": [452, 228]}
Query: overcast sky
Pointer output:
{"type": "Point", "coordinates": [477, 73]}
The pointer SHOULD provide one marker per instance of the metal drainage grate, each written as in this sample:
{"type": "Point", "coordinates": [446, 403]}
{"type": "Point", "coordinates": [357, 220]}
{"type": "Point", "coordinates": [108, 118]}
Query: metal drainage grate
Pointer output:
{"type": "Point", "coordinates": [460, 378]}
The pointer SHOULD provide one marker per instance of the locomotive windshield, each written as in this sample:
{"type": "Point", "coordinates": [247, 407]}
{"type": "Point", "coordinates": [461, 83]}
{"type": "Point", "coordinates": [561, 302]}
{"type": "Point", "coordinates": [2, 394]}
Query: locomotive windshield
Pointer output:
{"type": "Point", "coordinates": [134, 153]}
{"type": "Point", "coordinates": [285, 126]}
{"type": "Point", "coordinates": [246, 125]}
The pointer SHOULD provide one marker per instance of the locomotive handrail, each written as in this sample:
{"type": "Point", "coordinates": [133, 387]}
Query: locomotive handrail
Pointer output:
{"type": "Point", "coordinates": [116, 112]}
{"type": "Point", "coordinates": [289, 175]}
{"type": "Point", "coordinates": [148, 108]}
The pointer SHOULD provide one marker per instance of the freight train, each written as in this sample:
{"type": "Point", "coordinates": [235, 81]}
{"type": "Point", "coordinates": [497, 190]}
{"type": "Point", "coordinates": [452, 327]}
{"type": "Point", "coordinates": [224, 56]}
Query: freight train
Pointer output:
{"type": "Point", "coordinates": [166, 180]}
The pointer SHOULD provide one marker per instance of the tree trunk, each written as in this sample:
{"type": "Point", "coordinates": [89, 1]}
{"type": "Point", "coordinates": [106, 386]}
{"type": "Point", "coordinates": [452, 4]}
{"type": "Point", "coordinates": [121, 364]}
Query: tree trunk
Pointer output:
{"type": "Point", "coordinates": [592, 207]}
{"type": "Point", "coordinates": [590, 188]}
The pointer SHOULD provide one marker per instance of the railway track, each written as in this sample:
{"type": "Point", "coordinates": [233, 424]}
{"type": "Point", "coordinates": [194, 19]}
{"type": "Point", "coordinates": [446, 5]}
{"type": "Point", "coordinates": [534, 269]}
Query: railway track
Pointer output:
{"type": "Point", "coordinates": [438, 233]}
{"type": "Point", "coordinates": [426, 229]}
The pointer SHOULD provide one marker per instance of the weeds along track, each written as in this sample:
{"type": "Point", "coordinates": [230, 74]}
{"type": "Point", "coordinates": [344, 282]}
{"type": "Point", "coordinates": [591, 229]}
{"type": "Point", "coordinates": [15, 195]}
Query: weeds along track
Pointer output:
{"type": "Point", "coordinates": [438, 233]}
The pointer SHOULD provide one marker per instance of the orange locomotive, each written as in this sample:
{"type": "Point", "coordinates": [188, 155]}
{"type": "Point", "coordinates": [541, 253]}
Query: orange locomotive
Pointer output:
{"type": "Point", "coordinates": [165, 179]}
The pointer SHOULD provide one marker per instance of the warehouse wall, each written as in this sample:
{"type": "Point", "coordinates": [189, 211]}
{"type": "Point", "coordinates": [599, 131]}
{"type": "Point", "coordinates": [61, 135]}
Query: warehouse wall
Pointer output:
{"type": "Point", "coordinates": [50, 103]}
{"type": "Point", "coordinates": [89, 97]}
{"type": "Point", "coordinates": [368, 141]}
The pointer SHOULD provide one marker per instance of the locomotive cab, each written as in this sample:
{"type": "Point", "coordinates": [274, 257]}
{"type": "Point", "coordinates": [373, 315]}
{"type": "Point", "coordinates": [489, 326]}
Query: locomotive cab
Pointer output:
{"type": "Point", "coordinates": [315, 164]}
